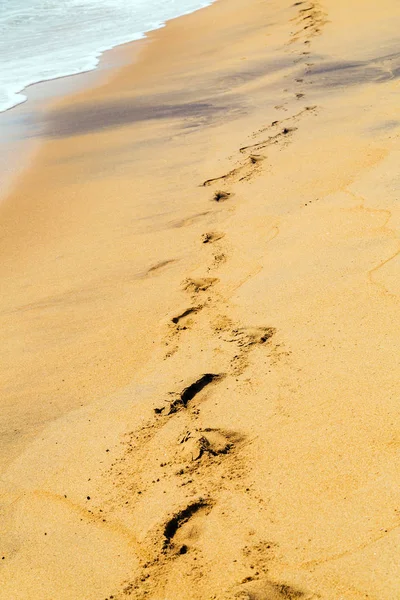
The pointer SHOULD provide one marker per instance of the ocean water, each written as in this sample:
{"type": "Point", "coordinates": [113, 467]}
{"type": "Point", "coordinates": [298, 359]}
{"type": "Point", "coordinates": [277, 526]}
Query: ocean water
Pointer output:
{"type": "Point", "coordinates": [46, 39]}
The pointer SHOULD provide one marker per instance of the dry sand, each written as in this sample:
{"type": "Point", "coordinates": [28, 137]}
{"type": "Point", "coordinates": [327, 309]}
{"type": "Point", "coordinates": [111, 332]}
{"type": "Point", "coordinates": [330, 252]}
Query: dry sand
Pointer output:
{"type": "Point", "coordinates": [201, 389]}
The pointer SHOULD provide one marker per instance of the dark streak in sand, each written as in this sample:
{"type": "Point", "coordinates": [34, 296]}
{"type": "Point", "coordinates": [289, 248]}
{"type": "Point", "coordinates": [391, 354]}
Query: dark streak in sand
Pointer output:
{"type": "Point", "coordinates": [92, 118]}
{"type": "Point", "coordinates": [190, 103]}
{"type": "Point", "coordinates": [331, 74]}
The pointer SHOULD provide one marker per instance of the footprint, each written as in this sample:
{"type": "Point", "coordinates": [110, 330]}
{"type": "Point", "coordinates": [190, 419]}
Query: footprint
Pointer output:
{"type": "Point", "coordinates": [294, 118]}
{"type": "Point", "coordinates": [208, 442]}
{"type": "Point", "coordinates": [245, 338]}
{"type": "Point", "coordinates": [256, 158]}
{"type": "Point", "coordinates": [247, 168]}
{"type": "Point", "coordinates": [266, 590]}
{"type": "Point", "coordinates": [188, 311]}
{"type": "Point", "coordinates": [249, 336]}
{"type": "Point", "coordinates": [189, 392]}
{"type": "Point", "coordinates": [271, 140]}
{"type": "Point", "coordinates": [199, 285]}
{"type": "Point", "coordinates": [175, 534]}
{"type": "Point", "coordinates": [211, 237]}
{"type": "Point", "coordinates": [218, 260]}
{"type": "Point", "coordinates": [231, 173]}
{"type": "Point", "coordinates": [220, 196]}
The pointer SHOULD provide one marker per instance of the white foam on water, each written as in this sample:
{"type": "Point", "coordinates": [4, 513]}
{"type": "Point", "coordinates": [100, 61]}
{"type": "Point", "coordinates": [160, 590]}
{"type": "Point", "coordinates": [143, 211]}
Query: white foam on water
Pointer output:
{"type": "Point", "coordinates": [46, 39]}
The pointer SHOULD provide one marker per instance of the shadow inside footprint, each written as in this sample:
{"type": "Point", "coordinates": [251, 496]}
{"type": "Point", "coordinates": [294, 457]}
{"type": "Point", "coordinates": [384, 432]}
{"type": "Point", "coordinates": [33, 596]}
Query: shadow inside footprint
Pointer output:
{"type": "Point", "coordinates": [191, 391]}
{"type": "Point", "coordinates": [220, 196]}
{"type": "Point", "coordinates": [180, 518]}
{"type": "Point", "coordinates": [193, 309]}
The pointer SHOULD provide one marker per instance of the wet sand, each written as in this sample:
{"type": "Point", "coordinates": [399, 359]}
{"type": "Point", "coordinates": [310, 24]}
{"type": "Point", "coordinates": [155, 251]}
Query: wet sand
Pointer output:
{"type": "Point", "coordinates": [200, 317]}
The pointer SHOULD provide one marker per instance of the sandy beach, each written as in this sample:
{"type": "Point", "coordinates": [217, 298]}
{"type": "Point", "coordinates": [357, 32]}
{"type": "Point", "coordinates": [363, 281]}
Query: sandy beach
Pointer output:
{"type": "Point", "coordinates": [199, 317]}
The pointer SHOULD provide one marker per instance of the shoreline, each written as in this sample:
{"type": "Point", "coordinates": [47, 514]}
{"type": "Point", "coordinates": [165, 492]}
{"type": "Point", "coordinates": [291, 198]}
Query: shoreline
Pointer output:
{"type": "Point", "coordinates": [98, 57]}
{"type": "Point", "coordinates": [41, 95]}
{"type": "Point", "coordinates": [200, 297]}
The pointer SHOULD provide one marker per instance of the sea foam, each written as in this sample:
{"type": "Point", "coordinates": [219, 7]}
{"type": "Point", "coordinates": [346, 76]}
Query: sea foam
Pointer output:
{"type": "Point", "coordinates": [46, 39]}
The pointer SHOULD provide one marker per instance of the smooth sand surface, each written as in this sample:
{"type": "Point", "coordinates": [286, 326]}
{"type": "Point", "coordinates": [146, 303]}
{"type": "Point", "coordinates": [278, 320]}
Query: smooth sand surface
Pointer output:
{"type": "Point", "coordinates": [200, 318]}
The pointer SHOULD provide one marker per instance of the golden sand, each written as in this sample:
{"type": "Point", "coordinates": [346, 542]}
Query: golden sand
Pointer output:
{"type": "Point", "coordinates": [199, 318]}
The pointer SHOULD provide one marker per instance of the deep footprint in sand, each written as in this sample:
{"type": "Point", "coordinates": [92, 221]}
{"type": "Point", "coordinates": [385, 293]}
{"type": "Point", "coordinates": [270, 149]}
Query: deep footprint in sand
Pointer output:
{"type": "Point", "coordinates": [211, 237]}
{"type": "Point", "coordinates": [182, 528]}
{"type": "Point", "coordinates": [190, 391]}
{"type": "Point", "coordinates": [176, 320]}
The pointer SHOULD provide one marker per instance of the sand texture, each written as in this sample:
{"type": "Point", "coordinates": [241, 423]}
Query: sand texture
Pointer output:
{"type": "Point", "coordinates": [200, 318]}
